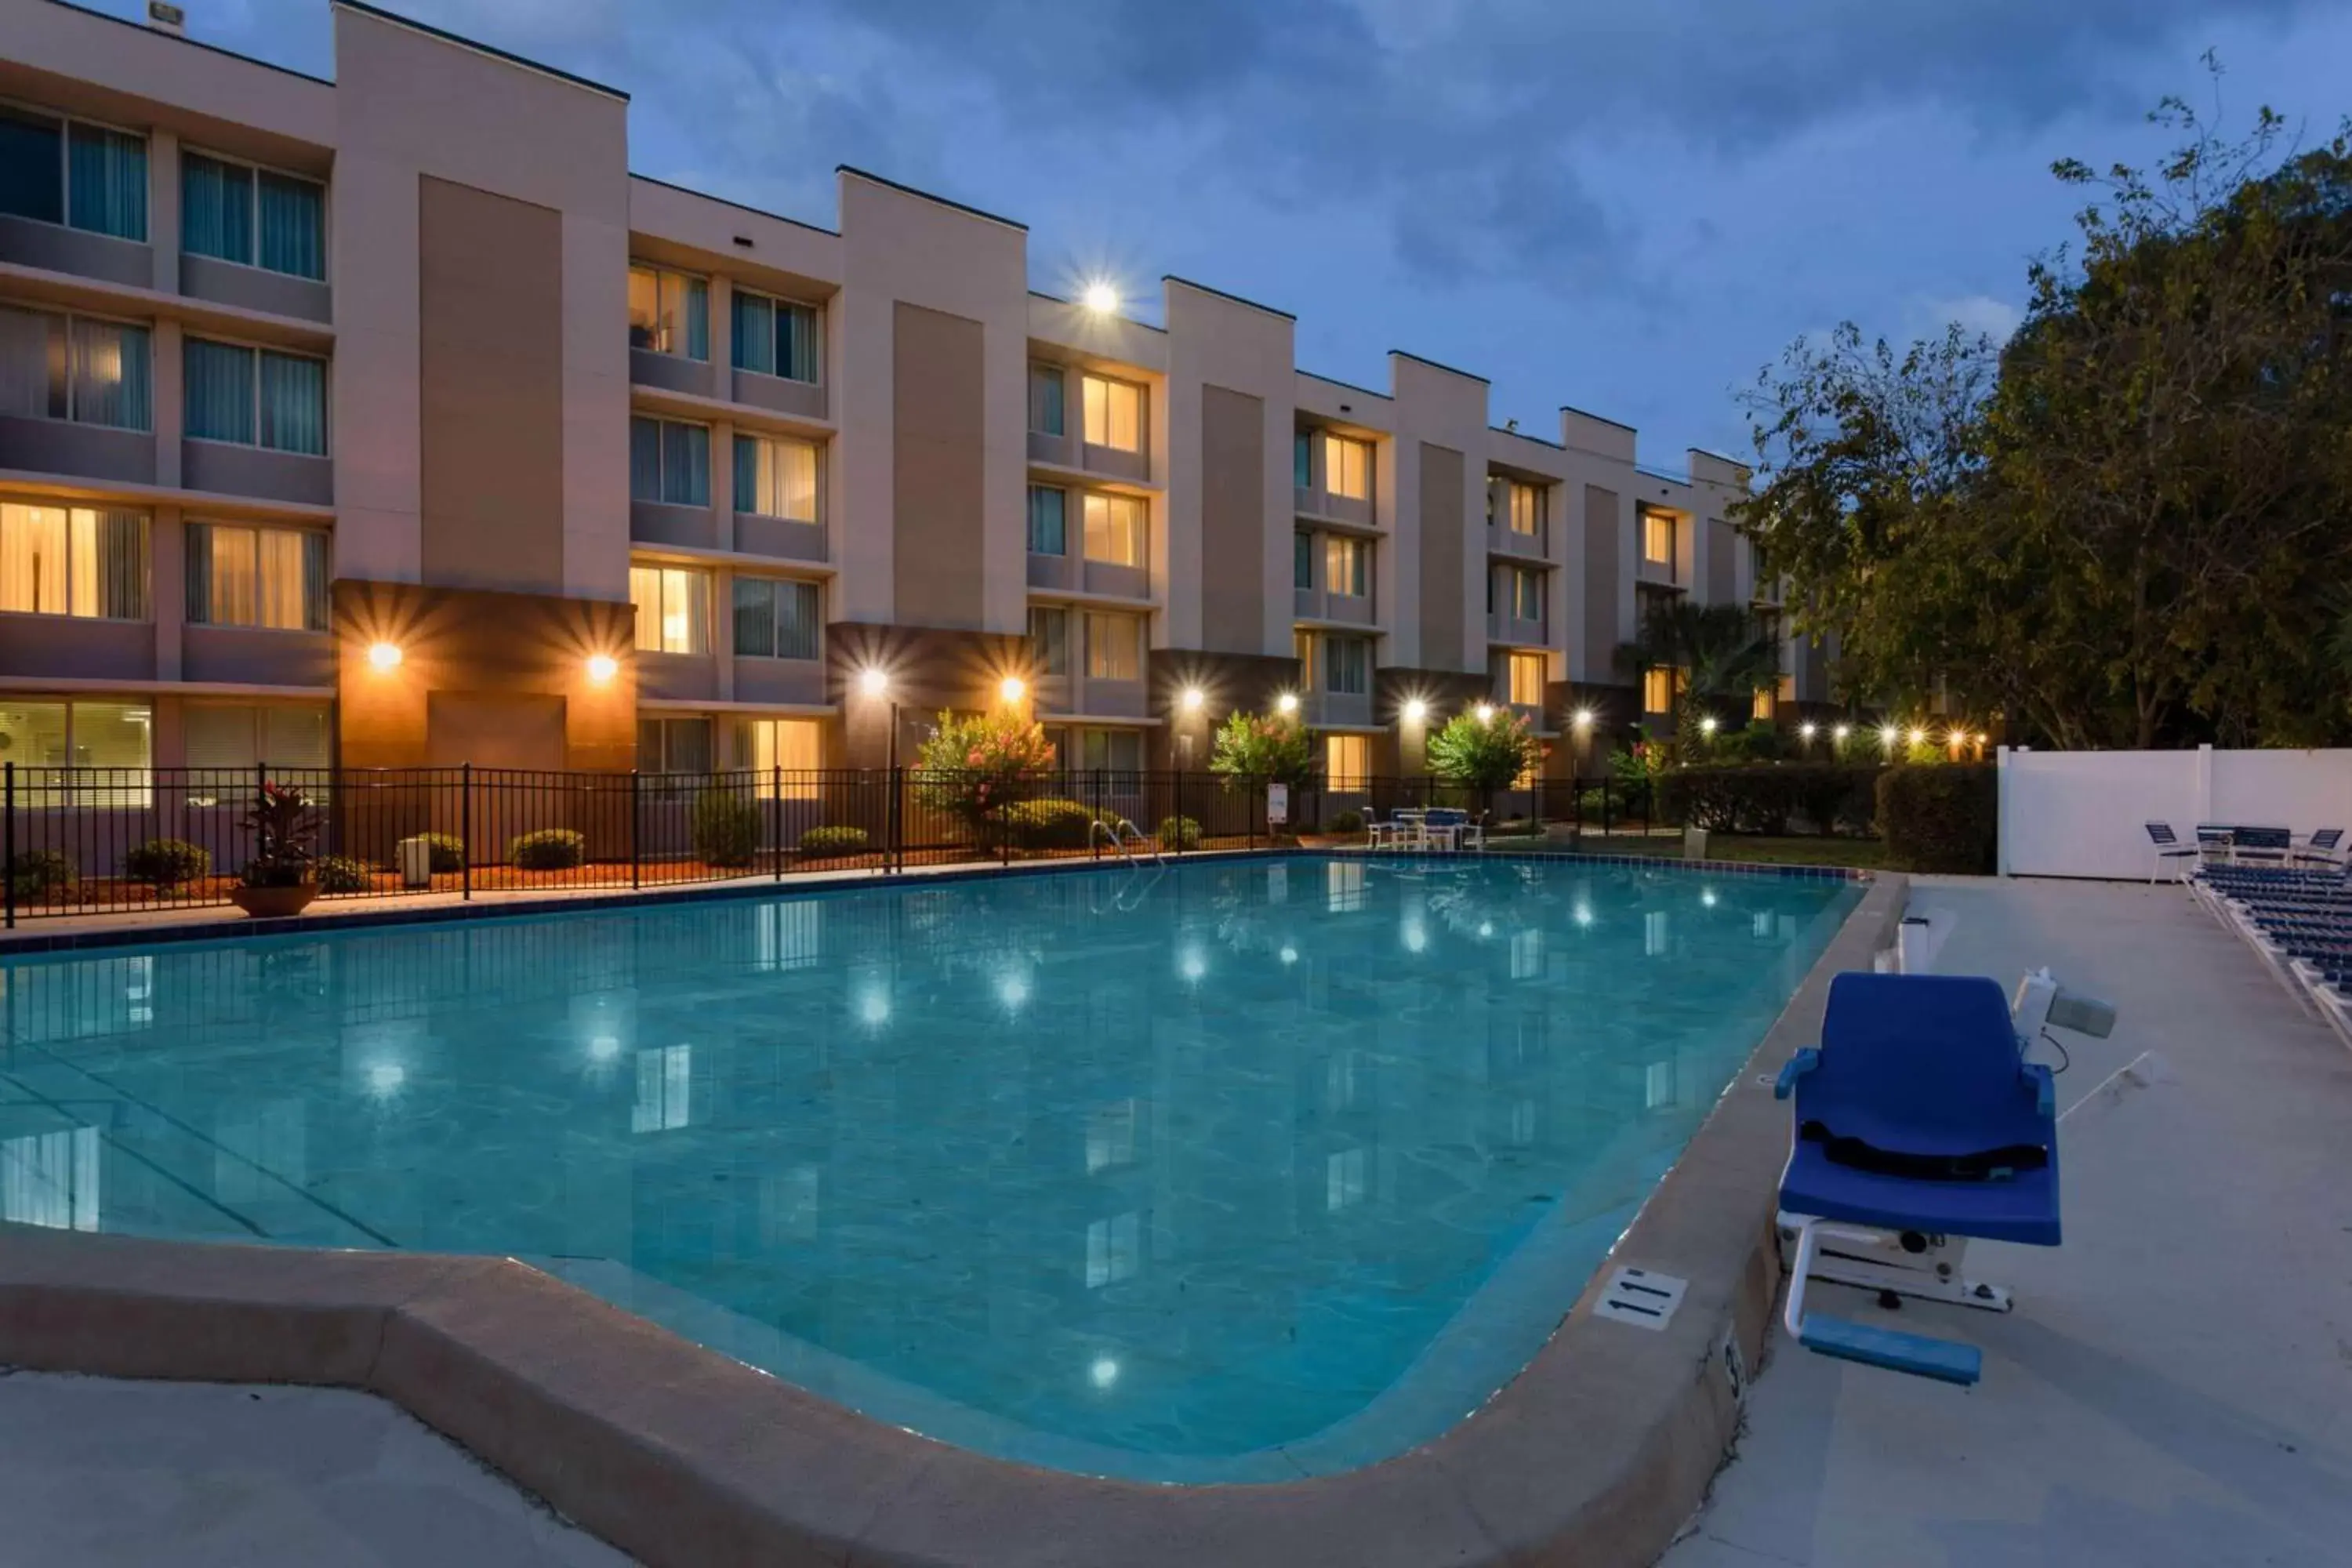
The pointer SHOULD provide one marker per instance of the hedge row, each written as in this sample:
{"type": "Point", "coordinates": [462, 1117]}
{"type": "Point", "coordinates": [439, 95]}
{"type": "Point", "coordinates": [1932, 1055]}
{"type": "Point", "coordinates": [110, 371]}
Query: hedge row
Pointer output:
{"type": "Point", "coordinates": [1943, 816]}
{"type": "Point", "coordinates": [1771, 797]}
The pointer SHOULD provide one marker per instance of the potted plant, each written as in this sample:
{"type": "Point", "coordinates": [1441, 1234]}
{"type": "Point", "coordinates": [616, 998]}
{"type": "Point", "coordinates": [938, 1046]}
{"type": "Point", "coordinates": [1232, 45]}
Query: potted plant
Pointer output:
{"type": "Point", "coordinates": [280, 877]}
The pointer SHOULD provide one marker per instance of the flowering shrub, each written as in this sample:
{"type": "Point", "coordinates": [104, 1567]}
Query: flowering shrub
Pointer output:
{"type": "Point", "coordinates": [1268, 748]}
{"type": "Point", "coordinates": [972, 767]}
{"type": "Point", "coordinates": [1483, 753]}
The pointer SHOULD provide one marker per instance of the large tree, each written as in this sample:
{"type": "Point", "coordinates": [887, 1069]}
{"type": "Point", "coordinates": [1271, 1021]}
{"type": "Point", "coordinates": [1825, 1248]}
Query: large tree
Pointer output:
{"type": "Point", "coordinates": [2128, 525]}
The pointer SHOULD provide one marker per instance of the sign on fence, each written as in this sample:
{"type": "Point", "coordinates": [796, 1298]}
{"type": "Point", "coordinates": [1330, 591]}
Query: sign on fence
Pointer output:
{"type": "Point", "coordinates": [1277, 804]}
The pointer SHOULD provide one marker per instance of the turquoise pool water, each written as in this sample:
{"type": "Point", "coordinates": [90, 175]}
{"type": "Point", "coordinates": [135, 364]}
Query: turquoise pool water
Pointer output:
{"type": "Point", "coordinates": [1227, 1170]}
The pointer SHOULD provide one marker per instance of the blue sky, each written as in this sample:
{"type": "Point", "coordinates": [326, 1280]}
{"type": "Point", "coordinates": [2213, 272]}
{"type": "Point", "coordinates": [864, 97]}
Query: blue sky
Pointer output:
{"type": "Point", "coordinates": [1628, 206]}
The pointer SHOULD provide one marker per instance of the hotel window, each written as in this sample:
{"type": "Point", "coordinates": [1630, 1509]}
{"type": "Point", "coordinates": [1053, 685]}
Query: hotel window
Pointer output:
{"type": "Point", "coordinates": [673, 608]}
{"type": "Point", "coordinates": [1348, 665]}
{"type": "Point", "coordinates": [669, 312]}
{"type": "Point", "coordinates": [253, 217]}
{"type": "Point", "coordinates": [1527, 680]}
{"type": "Point", "coordinates": [1048, 521]}
{"type": "Point", "coordinates": [1347, 467]}
{"type": "Point", "coordinates": [1047, 389]}
{"type": "Point", "coordinates": [1347, 762]}
{"type": "Point", "coordinates": [1658, 539]}
{"type": "Point", "coordinates": [1517, 507]}
{"type": "Point", "coordinates": [77, 368]}
{"type": "Point", "coordinates": [1302, 459]}
{"type": "Point", "coordinates": [1658, 690]}
{"type": "Point", "coordinates": [777, 618]}
{"type": "Point", "coordinates": [1113, 750]}
{"type": "Point", "coordinates": [1115, 530]}
{"type": "Point", "coordinates": [1523, 592]}
{"type": "Point", "coordinates": [1114, 646]}
{"type": "Point", "coordinates": [256, 397]}
{"type": "Point", "coordinates": [272, 577]}
{"type": "Point", "coordinates": [111, 735]}
{"type": "Point", "coordinates": [776, 337]}
{"type": "Point", "coordinates": [87, 562]}
{"type": "Point", "coordinates": [1302, 559]}
{"type": "Point", "coordinates": [775, 476]}
{"type": "Point", "coordinates": [1348, 566]}
{"type": "Point", "coordinates": [793, 747]}
{"type": "Point", "coordinates": [674, 746]}
{"type": "Point", "coordinates": [1762, 706]}
{"type": "Point", "coordinates": [669, 461]}
{"type": "Point", "coordinates": [1049, 639]}
{"type": "Point", "coordinates": [1302, 647]}
{"type": "Point", "coordinates": [71, 172]}
{"type": "Point", "coordinates": [1114, 413]}
{"type": "Point", "coordinates": [250, 735]}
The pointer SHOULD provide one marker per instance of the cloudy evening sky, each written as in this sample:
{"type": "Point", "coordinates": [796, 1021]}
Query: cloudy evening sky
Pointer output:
{"type": "Point", "coordinates": [1627, 206]}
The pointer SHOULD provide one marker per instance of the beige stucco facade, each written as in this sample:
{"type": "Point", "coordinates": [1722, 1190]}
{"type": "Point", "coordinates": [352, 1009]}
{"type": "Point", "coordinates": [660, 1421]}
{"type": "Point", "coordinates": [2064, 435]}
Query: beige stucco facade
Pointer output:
{"type": "Point", "coordinates": [622, 408]}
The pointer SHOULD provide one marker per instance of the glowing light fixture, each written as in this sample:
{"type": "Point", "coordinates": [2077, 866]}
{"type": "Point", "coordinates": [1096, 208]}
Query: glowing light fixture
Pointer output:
{"type": "Point", "coordinates": [1289, 955]}
{"type": "Point", "coordinates": [872, 681]}
{"type": "Point", "coordinates": [1193, 699]}
{"type": "Point", "coordinates": [385, 1078]}
{"type": "Point", "coordinates": [1099, 297]}
{"type": "Point", "coordinates": [1709, 725]}
{"type": "Point", "coordinates": [1707, 896]}
{"type": "Point", "coordinates": [1485, 712]}
{"type": "Point", "coordinates": [1286, 703]}
{"type": "Point", "coordinates": [1918, 736]}
{"type": "Point", "coordinates": [1889, 736]}
{"type": "Point", "coordinates": [1806, 731]}
{"type": "Point", "coordinates": [1012, 689]}
{"type": "Point", "coordinates": [1584, 718]}
{"type": "Point", "coordinates": [603, 667]}
{"type": "Point", "coordinates": [603, 1047]}
{"type": "Point", "coordinates": [1415, 711]}
{"type": "Point", "coordinates": [1841, 733]}
{"type": "Point", "coordinates": [384, 656]}
{"type": "Point", "coordinates": [1984, 740]}
{"type": "Point", "coordinates": [1191, 965]}
{"type": "Point", "coordinates": [1104, 1372]}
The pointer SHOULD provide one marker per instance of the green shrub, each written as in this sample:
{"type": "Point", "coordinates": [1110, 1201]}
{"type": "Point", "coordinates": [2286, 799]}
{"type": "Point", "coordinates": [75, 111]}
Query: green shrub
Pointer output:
{"type": "Point", "coordinates": [549, 849]}
{"type": "Point", "coordinates": [1049, 824]}
{"type": "Point", "coordinates": [1945, 817]}
{"type": "Point", "coordinates": [1180, 833]}
{"type": "Point", "coordinates": [1767, 798]}
{"type": "Point", "coordinates": [448, 852]}
{"type": "Point", "coordinates": [725, 828]}
{"type": "Point", "coordinates": [343, 874]}
{"type": "Point", "coordinates": [37, 873]}
{"type": "Point", "coordinates": [167, 862]}
{"type": "Point", "coordinates": [1345, 822]}
{"type": "Point", "coordinates": [825, 843]}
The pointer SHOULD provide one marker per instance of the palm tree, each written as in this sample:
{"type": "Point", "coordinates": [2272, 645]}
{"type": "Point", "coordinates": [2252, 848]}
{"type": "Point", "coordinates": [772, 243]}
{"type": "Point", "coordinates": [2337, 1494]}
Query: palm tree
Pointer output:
{"type": "Point", "coordinates": [1717, 651]}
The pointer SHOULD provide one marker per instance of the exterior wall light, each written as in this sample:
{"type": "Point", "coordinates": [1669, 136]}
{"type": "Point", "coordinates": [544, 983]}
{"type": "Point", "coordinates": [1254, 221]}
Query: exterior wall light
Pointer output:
{"type": "Point", "coordinates": [873, 683]}
{"type": "Point", "coordinates": [603, 667]}
{"type": "Point", "coordinates": [1415, 711]}
{"type": "Point", "coordinates": [1583, 718]}
{"type": "Point", "coordinates": [1485, 712]}
{"type": "Point", "coordinates": [1012, 689]}
{"type": "Point", "coordinates": [1100, 297]}
{"type": "Point", "coordinates": [1286, 703]}
{"type": "Point", "coordinates": [1193, 698]}
{"type": "Point", "coordinates": [384, 656]}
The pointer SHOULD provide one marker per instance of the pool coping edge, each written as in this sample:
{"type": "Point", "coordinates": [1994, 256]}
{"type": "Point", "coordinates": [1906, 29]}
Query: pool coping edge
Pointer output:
{"type": "Point", "coordinates": [673, 1452]}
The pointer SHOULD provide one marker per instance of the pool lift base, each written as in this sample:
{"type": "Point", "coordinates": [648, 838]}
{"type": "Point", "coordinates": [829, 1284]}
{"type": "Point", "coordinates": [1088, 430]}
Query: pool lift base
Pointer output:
{"type": "Point", "coordinates": [1902, 1263]}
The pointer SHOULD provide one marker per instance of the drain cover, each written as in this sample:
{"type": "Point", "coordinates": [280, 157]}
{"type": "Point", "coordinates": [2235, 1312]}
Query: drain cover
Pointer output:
{"type": "Point", "coordinates": [1638, 1297]}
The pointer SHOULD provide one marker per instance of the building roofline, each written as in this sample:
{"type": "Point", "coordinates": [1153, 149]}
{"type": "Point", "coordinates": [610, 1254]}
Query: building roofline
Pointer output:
{"type": "Point", "coordinates": [1711, 452]}
{"type": "Point", "coordinates": [872, 178]}
{"type": "Point", "coordinates": [1440, 365]}
{"type": "Point", "coordinates": [192, 43]}
{"type": "Point", "coordinates": [1588, 414]}
{"type": "Point", "coordinates": [739, 206]}
{"type": "Point", "coordinates": [1220, 293]}
{"type": "Point", "coordinates": [476, 46]}
{"type": "Point", "coordinates": [1523, 436]}
{"type": "Point", "coordinates": [1073, 304]}
{"type": "Point", "coordinates": [1343, 385]}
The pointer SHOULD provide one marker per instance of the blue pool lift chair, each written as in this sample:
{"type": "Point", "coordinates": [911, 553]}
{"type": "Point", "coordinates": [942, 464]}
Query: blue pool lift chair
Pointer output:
{"type": "Point", "coordinates": [1918, 1124]}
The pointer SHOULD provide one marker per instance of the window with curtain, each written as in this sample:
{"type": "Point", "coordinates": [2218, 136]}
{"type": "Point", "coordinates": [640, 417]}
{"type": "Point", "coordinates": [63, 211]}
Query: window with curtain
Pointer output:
{"type": "Point", "coordinates": [1658, 690]}
{"type": "Point", "coordinates": [1761, 709]}
{"type": "Point", "coordinates": [106, 181]}
{"type": "Point", "coordinates": [793, 747]}
{"type": "Point", "coordinates": [86, 561]}
{"type": "Point", "coordinates": [1348, 665]}
{"type": "Point", "coordinates": [251, 735]}
{"type": "Point", "coordinates": [1112, 751]}
{"type": "Point", "coordinates": [1047, 388]}
{"type": "Point", "coordinates": [1347, 467]}
{"type": "Point", "coordinates": [673, 606]}
{"type": "Point", "coordinates": [1527, 680]}
{"type": "Point", "coordinates": [1114, 648]}
{"type": "Point", "coordinates": [242, 576]}
{"type": "Point", "coordinates": [1302, 647]}
{"type": "Point", "coordinates": [32, 165]}
{"type": "Point", "coordinates": [1048, 521]}
{"type": "Point", "coordinates": [1115, 530]}
{"type": "Point", "coordinates": [1347, 762]}
{"type": "Point", "coordinates": [255, 397]}
{"type": "Point", "coordinates": [669, 461]}
{"type": "Point", "coordinates": [237, 211]}
{"type": "Point", "coordinates": [1524, 589]}
{"type": "Point", "coordinates": [776, 476]}
{"type": "Point", "coordinates": [1658, 538]}
{"type": "Point", "coordinates": [1114, 413]}
{"type": "Point", "coordinates": [674, 746]}
{"type": "Point", "coordinates": [1302, 459]}
{"type": "Point", "coordinates": [777, 618]}
{"type": "Point", "coordinates": [1348, 566]}
{"type": "Point", "coordinates": [1515, 506]}
{"type": "Point", "coordinates": [776, 337]}
{"type": "Point", "coordinates": [1049, 639]}
{"type": "Point", "coordinates": [1302, 559]}
{"type": "Point", "coordinates": [116, 738]}
{"type": "Point", "coordinates": [57, 366]}
{"type": "Point", "coordinates": [669, 312]}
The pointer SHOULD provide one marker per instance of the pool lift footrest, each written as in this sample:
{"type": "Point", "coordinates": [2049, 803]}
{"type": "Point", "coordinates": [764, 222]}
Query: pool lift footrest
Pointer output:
{"type": "Point", "coordinates": [1908, 1263]}
{"type": "Point", "coordinates": [1945, 1361]}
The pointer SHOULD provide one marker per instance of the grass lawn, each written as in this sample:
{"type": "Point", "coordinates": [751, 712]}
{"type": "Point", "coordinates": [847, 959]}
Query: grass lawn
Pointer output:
{"type": "Point", "coordinates": [1867, 854]}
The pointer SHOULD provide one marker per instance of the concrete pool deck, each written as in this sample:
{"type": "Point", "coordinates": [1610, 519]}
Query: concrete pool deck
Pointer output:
{"type": "Point", "coordinates": [2175, 1385]}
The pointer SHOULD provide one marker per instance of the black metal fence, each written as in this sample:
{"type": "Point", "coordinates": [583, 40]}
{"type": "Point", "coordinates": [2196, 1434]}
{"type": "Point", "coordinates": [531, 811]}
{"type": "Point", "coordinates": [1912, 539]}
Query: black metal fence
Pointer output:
{"type": "Point", "coordinates": [80, 840]}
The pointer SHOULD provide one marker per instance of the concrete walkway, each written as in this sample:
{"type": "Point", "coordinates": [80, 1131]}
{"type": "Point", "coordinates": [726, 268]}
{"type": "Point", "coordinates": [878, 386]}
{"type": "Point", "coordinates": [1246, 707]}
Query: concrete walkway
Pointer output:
{"type": "Point", "coordinates": [123, 1474]}
{"type": "Point", "coordinates": [2175, 1386]}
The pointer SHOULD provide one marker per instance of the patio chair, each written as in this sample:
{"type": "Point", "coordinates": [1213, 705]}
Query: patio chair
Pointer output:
{"type": "Point", "coordinates": [1401, 828]}
{"type": "Point", "coordinates": [2170, 850]}
{"type": "Point", "coordinates": [2321, 848]}
{"type": "Point", "coordinates": [1918, 1118]}
{"type": "Point", "coordinates": [1444, 827]}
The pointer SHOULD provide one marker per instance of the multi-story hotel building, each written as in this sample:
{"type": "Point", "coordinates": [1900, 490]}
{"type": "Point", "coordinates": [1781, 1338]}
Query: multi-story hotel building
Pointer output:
{"type": "Point", "coordinates": [391, 420]}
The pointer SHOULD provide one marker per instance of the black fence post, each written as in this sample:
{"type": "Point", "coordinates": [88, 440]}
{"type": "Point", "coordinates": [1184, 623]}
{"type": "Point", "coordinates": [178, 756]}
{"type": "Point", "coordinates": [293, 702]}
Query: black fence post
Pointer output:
{"type": "Point", "coordinates": [8, 840]}
{"type": "Point", "coordinates": [776, 806]}
{"type": "Point", "coordinates": [635, 857]}
{"type": "Point", "coordinates": [894, 821]}
{"type": "Point", "coordinates": [1178, 802]}
{"type": "Point", "coordinates": [1093, 815]}
{"type": "Point", "coordinates": [466, 829]}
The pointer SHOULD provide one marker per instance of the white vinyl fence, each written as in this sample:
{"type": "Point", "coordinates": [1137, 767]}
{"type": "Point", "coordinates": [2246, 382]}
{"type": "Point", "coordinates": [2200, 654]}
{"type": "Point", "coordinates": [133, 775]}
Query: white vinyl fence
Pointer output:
{"type": "Point", "coordinates": [2084, 814]}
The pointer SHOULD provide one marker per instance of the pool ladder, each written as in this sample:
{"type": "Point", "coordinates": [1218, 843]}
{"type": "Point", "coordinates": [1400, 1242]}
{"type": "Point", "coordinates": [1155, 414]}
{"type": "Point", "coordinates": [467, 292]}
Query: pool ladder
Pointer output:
{"type": "Point", "coordinates": [1121, 834]}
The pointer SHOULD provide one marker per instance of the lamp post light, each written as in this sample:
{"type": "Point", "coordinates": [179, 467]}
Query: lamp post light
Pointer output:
{"type": "Point", "coordinates": [874, 682]}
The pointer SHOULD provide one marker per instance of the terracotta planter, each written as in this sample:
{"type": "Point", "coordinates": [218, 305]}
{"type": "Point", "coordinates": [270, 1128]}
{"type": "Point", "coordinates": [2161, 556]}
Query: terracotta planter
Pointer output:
{"type": "Point", "coordinates": [267, 903]}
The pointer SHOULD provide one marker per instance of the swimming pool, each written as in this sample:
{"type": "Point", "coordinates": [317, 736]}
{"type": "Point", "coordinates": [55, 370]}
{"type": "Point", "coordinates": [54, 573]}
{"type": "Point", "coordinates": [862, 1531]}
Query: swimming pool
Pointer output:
{"type": "Point", "coordinates": [1230, 1170]}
